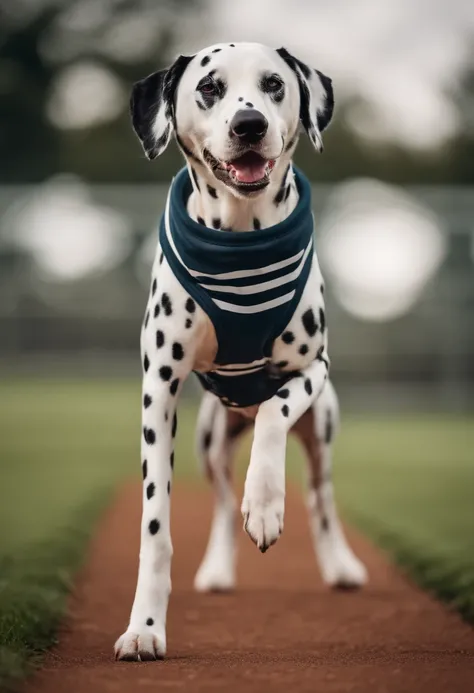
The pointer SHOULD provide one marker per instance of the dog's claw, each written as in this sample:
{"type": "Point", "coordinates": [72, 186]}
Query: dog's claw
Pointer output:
{"type": "Point", "coordinates": [139, 647]}
{"type": "Point", "coordinates": [263, 523]}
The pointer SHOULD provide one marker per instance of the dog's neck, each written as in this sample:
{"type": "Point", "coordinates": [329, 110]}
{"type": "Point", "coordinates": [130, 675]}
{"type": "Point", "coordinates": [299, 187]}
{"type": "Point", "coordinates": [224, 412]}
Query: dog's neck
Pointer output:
{"type": "Point", "coordinates": [214, 205]}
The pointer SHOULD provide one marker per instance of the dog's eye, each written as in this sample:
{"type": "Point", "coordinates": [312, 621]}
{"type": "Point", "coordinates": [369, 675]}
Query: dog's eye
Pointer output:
{"type": "Point", "coordinates": [273, 84]}
{"type": "Point", "coordinates": [209, 88]}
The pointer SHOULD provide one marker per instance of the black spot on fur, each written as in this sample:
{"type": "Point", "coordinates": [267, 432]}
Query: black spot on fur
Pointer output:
{"type": "Point", "coordinates": [284, 394]}
{"type": "Point", "coordinates": [146, 363]}
{"type": "Point", "coordinates": [147, 317]}
{"type": "Point", "coordinates": [149, 621]}
{"type": "Point", "coordinates": [190, 305]}
{"type": "Point", "coordinates": [174, 386]}
{"type": "Point", "coordinates": [304, 348]}
{"type": "Point", "coordinates": [279, 196]}
{"type": "Point", "coordinates": [322, 320]}
{"type": "Point", "coordinates": [156, 312]}
{"type": "Point", "coordinates": [161, 258]}
{"type": "Point", "coordinates": [168, 488]}
{"type": "Point", "coordinates": [166, 415]}
{"type": "Point", "coordinates": [329, 428]}
{"type": "Point", "coordinates": [201, 221]}
{"type": "Point", "coordinates": [216, 223]}
{"type": "Point", "coordinates": [166, 303]}
{"type": "Point", "coordinates": [249, 105]}
{"type": "Point", "coordinates": [288, 337]}
{"type": "Point", "coordinates": [241, 98]}
{"type": "Point", "coordinates": [150, 490]}
{"type": "Point", "coordinates": [144, 469]}
{"type": "Point", "coordinates": [232, 45]}
{"type": "Point", "coordinates": [188, 323]}
{"type": "Point", "coordinates": [172, 460]}
{"type": "Point", "coordinates": [320, 357]}
{"type": "Point", "coordinates": [205, 61]}
{"type": "Point", "coordinates": [212, 191]}
{"type": "Point", "coordinates": [160, 339]}
{"type": "Point", "coordinates": [308, 386]}
{"type": "Point", "coordinates": [309, 323]}
{"type": "Point", "coordinates": [166, 372]}
{"type": "Point", "coordinates": [146, 401]}
{"type": "Point", "coordinates": [324, 118]}
{"type": "Point", "coordinates": [256, 224]}
{"type": "Point", "coordinates": [195, 178]}
{"type": "Point", "coordinates": [285, 410]}
{"type": "Point", "coordinates": [216, 50]}
{"type": "Point", "coordinates": [322, 289]}
{"type": "Point", "coordinates": [324, 523]}
{"type": "Point", "coordinates": [177, 351]}
{"type": "Point", "coordinates": [291, 142]}
{"type": "Point", "coordinates": [287, 194]}
{"type": "Point", "coordinates": [154, 527]}
{"type": "Point", "coordinates": [149, 435]}
{"type": "Point", "coordinates": [174, 426]}
{"type": "Point", "coordinates": [281, 364]}
{"type": "Point", "coordinates": [206, 440]}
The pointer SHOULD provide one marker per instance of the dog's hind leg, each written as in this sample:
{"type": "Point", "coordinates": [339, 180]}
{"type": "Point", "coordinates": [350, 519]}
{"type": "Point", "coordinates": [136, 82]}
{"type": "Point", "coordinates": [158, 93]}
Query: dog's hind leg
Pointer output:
{"type": "Point", "coordinates": [215, 443]}
{"type": "Point", "coordinates": [316, 428]}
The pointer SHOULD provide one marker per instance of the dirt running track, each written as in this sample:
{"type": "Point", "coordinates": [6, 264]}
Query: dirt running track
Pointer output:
{"type": "Point", "coordinates": [281, 631]}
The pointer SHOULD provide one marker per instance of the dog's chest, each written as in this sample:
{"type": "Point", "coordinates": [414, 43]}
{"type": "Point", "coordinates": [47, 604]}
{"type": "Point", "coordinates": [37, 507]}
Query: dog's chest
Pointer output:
{"type": "Point", "coordinates": [292, 350]}
{"type": "Point", "coordinates": [258, 298]}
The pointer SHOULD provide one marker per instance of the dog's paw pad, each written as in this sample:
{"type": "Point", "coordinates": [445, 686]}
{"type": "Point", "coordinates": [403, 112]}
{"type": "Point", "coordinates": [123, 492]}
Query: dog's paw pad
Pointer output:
{"type": "Point", "coordinates": [139, 647]}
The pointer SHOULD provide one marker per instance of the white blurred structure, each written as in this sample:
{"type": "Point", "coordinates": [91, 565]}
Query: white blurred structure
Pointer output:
{"type": "Point", "coordinates": [68, 234]}
{"type": "Point", "coordinates": [379, 247]}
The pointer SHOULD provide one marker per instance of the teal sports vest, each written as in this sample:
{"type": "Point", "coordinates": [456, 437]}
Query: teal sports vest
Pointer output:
{"type": "Point", "coordinates": [249, 284]}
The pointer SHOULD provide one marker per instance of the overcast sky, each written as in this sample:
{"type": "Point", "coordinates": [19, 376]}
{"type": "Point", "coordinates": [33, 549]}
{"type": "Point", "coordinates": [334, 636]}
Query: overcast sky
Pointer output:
{"type": "Point", "coordinates": [400, 54]}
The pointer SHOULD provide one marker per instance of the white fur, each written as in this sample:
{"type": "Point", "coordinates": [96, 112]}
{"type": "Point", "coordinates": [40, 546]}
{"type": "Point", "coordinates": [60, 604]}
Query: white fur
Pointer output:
{"type": "Point", "coordinates": [217, 570]}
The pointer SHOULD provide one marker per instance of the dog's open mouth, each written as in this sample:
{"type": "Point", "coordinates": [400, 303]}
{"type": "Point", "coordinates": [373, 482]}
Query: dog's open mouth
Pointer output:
{"type": "Point", "coordinates": [250, 168]}
{"type": "Point", "coordinates": [248, 173]}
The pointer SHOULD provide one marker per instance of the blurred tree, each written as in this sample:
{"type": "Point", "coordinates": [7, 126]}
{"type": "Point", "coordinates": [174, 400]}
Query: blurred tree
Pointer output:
{"type": "Point", "coordinates": [39, 41]}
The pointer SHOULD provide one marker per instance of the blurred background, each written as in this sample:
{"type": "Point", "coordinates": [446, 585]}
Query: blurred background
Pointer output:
{"type": "Point", "coordinates": [394, 210]}
{"type": "Point", "coordinates": [393, 192]}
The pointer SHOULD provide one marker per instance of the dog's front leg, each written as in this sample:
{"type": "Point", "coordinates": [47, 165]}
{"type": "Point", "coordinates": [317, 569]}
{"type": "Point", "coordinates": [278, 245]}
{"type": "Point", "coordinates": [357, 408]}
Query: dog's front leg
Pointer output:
{"type": "Point", "coordinates": [145, 637]}
{"type": "Point", "coordinates": [263, 503]}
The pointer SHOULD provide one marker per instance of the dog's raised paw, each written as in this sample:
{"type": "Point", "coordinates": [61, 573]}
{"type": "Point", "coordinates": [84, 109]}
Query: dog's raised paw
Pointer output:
{"type": "Point", "coordinates": [143, 646]}
{"type": "Point", "coordinates": [263, 522]}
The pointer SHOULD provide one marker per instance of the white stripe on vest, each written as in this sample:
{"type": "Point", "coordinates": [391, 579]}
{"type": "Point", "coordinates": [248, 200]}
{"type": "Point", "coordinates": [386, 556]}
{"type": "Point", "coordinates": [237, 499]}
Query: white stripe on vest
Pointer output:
{"type": "Point", "coordinates": [251, 288]}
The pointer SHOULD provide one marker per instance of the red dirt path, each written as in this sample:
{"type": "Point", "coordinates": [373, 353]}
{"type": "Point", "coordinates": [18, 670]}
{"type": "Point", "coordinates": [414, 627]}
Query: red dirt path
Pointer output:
{"type": "Point", "coordinates": [281, 631]}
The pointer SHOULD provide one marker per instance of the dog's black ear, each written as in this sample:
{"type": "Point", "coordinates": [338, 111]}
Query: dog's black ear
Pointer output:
{"type": "Point", "coordinates": [152, 106]}
{"type": "Point", "coordinates": [316, 97]}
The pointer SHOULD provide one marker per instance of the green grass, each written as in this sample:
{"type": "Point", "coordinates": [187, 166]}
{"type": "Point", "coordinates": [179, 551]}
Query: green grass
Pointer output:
{"type": "Point", "coordinates": [408, 483]}
{"type": "Point", "coordinates": [64, 446]}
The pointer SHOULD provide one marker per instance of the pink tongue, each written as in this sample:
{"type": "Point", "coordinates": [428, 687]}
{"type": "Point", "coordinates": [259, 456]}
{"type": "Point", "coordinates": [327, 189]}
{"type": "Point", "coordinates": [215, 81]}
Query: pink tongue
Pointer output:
{"type": "Point", "coordinates": [249, 173]}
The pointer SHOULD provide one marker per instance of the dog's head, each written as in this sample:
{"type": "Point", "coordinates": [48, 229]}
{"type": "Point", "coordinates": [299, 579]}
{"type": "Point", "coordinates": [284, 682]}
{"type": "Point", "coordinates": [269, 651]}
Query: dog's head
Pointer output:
{"type": "Point", "coordinates": [234, 108]}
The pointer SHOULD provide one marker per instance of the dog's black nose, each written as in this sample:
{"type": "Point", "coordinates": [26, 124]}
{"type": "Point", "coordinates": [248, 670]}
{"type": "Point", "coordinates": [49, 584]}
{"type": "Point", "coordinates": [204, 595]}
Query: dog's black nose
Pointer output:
{"type": "Point", "coordinates": [250, 126]}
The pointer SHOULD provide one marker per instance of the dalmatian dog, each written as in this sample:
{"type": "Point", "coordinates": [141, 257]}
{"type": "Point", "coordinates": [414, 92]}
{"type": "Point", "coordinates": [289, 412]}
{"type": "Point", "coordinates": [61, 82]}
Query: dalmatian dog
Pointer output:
{"type": "Point", "coordinates": [237, 297]}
